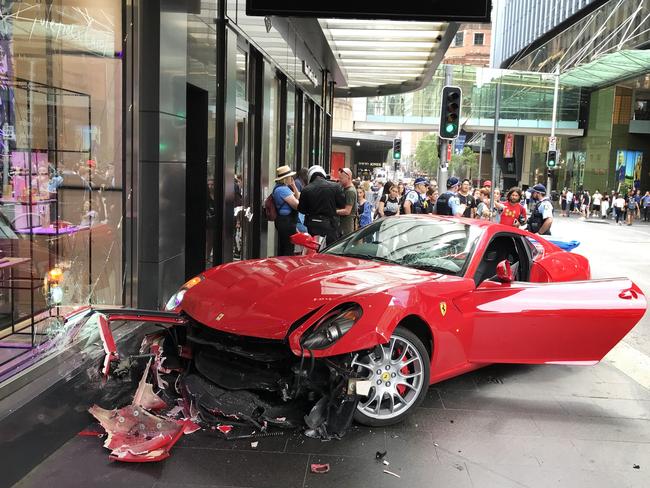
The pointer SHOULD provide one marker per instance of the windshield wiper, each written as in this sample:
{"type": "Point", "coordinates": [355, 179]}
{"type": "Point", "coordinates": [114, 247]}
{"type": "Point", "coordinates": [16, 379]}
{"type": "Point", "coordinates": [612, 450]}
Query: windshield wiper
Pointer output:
{"type": "Point", "coordinates": [369, 258]}
{"type": "Point", "coordinates": [431, 268]}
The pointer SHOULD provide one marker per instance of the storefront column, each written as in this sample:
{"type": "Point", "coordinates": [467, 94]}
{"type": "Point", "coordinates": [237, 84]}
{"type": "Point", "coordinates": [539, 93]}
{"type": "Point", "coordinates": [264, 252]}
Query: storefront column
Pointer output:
{"type": "Point", "coordinates": [162, 159]}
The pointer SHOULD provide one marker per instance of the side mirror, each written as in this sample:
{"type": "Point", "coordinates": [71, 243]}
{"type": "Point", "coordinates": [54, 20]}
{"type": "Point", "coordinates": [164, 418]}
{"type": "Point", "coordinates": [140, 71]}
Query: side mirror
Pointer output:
{"type": "Point", "coordinates": [504, 272]}
{"type": "Point", "coordinates": [310, 243]}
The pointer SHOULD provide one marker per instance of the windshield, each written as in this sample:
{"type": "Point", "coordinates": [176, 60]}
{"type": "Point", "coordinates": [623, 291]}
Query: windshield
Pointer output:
{"type": "Point", "coordinates": [433, 245]}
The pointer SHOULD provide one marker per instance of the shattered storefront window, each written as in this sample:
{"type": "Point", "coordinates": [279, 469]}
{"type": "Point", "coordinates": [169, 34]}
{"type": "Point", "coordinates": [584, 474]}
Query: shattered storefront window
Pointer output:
{"type": "Point", "coordinates": [61, 170]}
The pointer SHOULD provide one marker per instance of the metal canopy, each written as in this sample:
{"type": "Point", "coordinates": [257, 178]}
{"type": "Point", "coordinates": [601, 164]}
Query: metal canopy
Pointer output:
{"type": "Point", "coordinates": [608, 69]}
{"type": "Point", "coordinates": [383, 57]}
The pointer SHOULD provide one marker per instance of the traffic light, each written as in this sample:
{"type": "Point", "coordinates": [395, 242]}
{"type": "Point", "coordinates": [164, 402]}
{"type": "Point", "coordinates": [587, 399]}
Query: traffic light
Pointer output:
{"type": "Point", "coordinates": [450, 113]}
{"type": "Point", "coordinates": [551, 159]}
{"type": "Point", "coordinates": [397, 149]}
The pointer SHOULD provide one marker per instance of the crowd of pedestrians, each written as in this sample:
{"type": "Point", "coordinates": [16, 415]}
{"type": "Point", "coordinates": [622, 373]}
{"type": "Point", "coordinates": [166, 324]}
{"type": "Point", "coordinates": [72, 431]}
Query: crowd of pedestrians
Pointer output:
{"type": "Point", "coordinates": [623, 207]}
{"type": "Point", "coordinates": [313, 202]}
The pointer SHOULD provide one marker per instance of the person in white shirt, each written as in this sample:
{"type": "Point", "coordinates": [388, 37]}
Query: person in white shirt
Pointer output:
{"type": "Point", "coordinates": [604, 207]}
{"type": "Point", "coordinates": [619, 208]}
{"type": "Point", "coordinates": [596, 200]}
{"type": "Point", "coordinates": [569, 202]}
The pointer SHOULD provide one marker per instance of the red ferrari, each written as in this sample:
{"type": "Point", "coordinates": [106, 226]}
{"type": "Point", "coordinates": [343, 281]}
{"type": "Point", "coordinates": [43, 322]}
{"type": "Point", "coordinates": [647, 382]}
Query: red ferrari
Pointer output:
{"type": "Point", "coordinates": [413, 301]}
{"type": "Point", "coordinates": [360, 329]}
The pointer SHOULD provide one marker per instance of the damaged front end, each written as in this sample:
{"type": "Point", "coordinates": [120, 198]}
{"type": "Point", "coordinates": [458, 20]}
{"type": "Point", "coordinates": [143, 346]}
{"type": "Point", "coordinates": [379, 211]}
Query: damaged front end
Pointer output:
{"type": "Point", "coordinates": [236, 385]}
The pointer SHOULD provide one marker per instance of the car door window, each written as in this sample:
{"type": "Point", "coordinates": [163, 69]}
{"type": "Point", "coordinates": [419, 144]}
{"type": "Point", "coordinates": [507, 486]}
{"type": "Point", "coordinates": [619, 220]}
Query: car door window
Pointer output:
{"type": "Point", "coordinates": [503, 247]}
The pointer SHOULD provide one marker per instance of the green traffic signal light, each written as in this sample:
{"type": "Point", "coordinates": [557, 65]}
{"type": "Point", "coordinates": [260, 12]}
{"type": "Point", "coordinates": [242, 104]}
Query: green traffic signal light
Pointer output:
{"type": "Point", "coordinates": [551, 159]}
{"type": "Point", "coordinates": [450, 112]}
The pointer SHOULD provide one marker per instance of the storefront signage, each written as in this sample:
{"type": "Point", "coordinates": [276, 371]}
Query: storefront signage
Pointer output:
{"type": "Point", "coordinates": [368, 166]}
{"type": "Point", "coordinates": [309, 73]}
{"type": "Point", "coordinates": [430, 10]}
{"type": "Point", "coordinates": [509, 146]}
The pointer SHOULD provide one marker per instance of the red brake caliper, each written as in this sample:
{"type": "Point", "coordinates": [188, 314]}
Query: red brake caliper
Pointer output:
{"type": "Point", "coordinates": [405, 370]}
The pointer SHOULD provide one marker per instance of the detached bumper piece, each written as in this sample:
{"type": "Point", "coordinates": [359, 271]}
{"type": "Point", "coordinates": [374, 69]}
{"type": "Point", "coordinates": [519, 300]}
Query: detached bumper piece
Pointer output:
{"type": "Point", "coordinates": [235, 386]}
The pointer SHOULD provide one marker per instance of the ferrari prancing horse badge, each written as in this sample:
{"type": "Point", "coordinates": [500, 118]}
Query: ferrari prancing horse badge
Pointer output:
{"type": "Point", "coordinates": [443, 308]}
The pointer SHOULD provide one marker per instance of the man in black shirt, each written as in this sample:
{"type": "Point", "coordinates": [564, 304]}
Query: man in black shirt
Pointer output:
{"type": "Point", "coordinates": [319, 201]}
{"type": "Point", "coordinates": [467, 199]}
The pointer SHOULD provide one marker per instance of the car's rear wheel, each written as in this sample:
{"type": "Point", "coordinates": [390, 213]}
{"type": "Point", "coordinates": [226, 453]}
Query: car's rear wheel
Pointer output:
{"type": "Point", "coordinates": [399, 372]}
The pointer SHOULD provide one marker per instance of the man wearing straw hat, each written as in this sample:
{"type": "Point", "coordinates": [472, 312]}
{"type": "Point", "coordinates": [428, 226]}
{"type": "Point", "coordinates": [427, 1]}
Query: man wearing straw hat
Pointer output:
{"type": "Point", "coordinates": [285, 197]}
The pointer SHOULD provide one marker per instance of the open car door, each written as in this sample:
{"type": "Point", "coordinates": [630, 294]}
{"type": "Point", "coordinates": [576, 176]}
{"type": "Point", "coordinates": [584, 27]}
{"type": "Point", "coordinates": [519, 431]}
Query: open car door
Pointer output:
{"type": "Point", "coordinates": [535, 323]}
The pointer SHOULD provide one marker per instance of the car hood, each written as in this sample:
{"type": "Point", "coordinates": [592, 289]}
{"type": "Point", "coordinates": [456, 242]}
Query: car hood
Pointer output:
{"type": "Point", "coordinates": [263, 298]}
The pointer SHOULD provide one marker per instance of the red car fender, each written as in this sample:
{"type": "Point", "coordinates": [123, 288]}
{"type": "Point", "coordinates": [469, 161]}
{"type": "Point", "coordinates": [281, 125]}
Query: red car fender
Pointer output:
{"type": "Point", "coordinates": [563, 266]}
{"type": "Point", "coordinates": [381, 314]}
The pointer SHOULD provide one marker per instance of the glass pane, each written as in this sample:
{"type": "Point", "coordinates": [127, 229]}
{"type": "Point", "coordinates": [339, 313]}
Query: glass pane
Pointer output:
{"type": "Point", "coordinates": [61, 121]}
{"type": "Point", "coordinates": [291, 126]}
{"type": "Point", "coordinates": [201, 72]}
{"type": "Point", "coordinates": [242, 76]}
{"type": "Point", "coordinates": [241, 143]}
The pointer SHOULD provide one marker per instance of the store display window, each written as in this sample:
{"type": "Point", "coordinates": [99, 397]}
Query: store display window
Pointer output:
{"type": "Point", "coordinates": [61, 166]}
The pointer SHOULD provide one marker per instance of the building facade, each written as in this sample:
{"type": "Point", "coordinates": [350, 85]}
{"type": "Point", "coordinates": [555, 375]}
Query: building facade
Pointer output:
{"type": "Point", "coordinates": [520, 24]}
{"type": "Point", "coordinates": [471, 45]}
{"type": "Point", "coordinates": [599, 49]}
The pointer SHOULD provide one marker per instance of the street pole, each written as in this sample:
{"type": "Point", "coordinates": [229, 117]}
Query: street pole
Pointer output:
{"type": "Point", "coordinates": [480, 159]}
{"type": "Point", "coordinates": [442, 170]}
{"type": "Point", "coordinates": [556, 93]}
{"type": "Point", "coordinates": [497, 109]}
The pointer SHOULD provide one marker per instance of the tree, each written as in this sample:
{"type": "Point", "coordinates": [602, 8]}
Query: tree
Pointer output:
{"type": "Point", "coordinates": [426, 154]}
{"type": "Point", "coordinates": [465, 164]}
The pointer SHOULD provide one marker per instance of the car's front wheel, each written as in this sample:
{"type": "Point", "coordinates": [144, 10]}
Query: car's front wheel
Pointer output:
{"type": "Point", "coordinates": [399, 373]}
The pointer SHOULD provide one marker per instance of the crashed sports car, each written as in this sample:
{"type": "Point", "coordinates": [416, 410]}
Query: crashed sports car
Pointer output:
{"type": "Point", "coordinates": [359, 330]}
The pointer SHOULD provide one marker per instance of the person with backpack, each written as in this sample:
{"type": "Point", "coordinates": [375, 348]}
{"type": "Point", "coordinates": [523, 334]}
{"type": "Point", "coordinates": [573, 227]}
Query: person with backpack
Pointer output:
{"type": "Point", "coordinates": [413, 200]}
{"type": "Point", "coordinates": [389, 203]}
{"type": "Point", "coordinates": [632, 207]}
{"type": "Point", "coordinates": [285, 200]}
{"type": "Point", "coordinates": [541, 218]}
{"type": "Point", "coordinates": [448, 203]}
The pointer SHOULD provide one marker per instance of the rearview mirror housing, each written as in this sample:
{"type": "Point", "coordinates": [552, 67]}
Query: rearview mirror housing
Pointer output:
{"type": "Point", "coordinates": [504, 272]}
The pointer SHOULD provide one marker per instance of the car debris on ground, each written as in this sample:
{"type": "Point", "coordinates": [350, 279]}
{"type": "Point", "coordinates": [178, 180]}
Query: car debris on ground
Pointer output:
{"type": "Point", "coordinates": [193, 377]}
{"type": "Point", "coordinates": [320, 468]}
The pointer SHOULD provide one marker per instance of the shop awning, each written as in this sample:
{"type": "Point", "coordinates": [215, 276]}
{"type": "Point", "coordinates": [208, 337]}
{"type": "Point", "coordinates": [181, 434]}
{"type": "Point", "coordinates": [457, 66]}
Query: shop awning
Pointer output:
{"type": "Point", "coordinates": [383, 57]}
{"type": "Point", "coordinates": [608, 69]}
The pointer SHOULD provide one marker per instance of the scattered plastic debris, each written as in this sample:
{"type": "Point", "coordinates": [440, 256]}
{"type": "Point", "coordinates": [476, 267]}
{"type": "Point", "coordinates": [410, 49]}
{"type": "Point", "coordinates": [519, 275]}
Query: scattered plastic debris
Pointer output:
{"type": "Point", "coordinates": [435, 444]}
{"type": "Point", "coordinates": [386, 463]}
{"type": "Point", "coordinates": [636, 466]}
{"type": "Point", "coordinates": [145, 397]}
{"type": "Point", "coordinates": [379, 456]}
{"type": "Point", "coordinates": [224, 429]}
{"type": "Point", "coordinates": [92, 433]}
{"type": "Point", "coordinates": [254, 444]}
{"type": "Point", "coordinates": [391, 473]}
{"type": "Point", "coordinates": [135, 435]}
{"type": "Point", "coordinates": [320, 468]}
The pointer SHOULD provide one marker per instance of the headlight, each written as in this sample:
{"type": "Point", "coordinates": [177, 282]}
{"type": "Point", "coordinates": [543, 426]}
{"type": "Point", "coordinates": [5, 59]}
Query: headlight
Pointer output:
{"type": "Point", "coordinates": [331, 327]}
{"type": "Point", "coordinates": [177, 297]}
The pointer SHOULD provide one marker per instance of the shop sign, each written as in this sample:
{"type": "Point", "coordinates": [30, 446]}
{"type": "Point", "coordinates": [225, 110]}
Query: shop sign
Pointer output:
{"type": "Point", "coordinates": [368, 166]}
{"type": "Point", "coordinates": [509, 146]}
{"type": "Point", "coordinates": [433, 10]}
{"type": "Point", "coordinates": [309, 73]}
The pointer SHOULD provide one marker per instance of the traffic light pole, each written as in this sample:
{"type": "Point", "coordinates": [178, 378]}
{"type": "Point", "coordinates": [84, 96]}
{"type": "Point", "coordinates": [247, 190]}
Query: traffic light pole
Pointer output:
{"type": "Point", "coordinates": [556, 93]}
{"type": "Point", "coordinates": [495, 142]}
{"type": "Point", "coordinates": [442, 168]}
